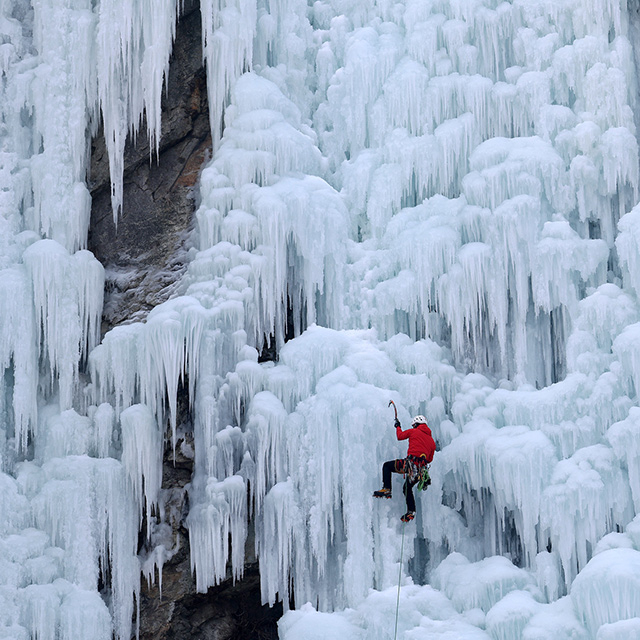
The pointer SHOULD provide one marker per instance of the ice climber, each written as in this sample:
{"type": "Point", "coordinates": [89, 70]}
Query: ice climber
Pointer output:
{"type": "Point", "coordinates": [414, 466]}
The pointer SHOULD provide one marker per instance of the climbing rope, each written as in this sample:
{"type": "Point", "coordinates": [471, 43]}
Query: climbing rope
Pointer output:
{"type": "Point", "coordinates": [395, 633]}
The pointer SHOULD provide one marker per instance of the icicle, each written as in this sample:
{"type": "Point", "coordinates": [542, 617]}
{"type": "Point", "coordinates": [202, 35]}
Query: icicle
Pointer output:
{"type": "Point", "coordinates": [18, 339]}
{"type": "Point", "coordinates": [267, 417]}
{"type": "Point", "coordinates": [68, 306]}
{"type": "Point", "coordinates": [508, 617]}
{"type": "Point", "coordinates": [276, 543]}
{"type": "Point", "coordinates": [103, 423]}
{"type": "Point", "coordinates": [142, 457]}
{"type": "Point", "coordinates": [114, 366]}
{"type": "Point", "coordinates": [14, 506]}
{"type": "Point", "coordinates": [623, 437]}
{"type": "Point", "coordinates": [481, 584]}
{"type": "Point", "coordinates": [228, 29]}
{"type": "Point", "coordinates": [133, 48]}
{"type": "Point", "coordinates": [586, 498]}
{"type": "Point", "coordinates": [220, 515]}
{"type": "Point", "coordinates": [626, 244]}
{"type": "Point", "coordinates": [84, 614]}
{"type": "Point", "coordinates": [63, 91]}
{"type": "Point", "coordinates": [64, 434]}
{"type": "Point", "coordinates": [606, 590]}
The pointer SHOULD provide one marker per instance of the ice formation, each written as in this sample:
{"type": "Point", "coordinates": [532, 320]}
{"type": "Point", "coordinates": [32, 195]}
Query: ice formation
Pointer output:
{"type": "Point", "coordinates": [429, 201]}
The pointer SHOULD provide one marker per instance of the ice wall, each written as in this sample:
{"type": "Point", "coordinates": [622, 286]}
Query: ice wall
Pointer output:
{"type": "Point", "coordinates": [484, 277]}
{"type": "Point", "coordinates": [431, 202]}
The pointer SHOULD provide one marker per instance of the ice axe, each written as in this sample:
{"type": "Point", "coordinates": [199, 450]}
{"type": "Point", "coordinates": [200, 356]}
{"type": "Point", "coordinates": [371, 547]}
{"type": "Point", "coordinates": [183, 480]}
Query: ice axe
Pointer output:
{"type": "Point", "coordinates": [395, 410]}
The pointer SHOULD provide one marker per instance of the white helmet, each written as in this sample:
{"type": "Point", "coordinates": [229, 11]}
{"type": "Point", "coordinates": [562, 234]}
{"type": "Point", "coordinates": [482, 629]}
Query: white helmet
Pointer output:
{"type": "Point", "coordinates": [418, 420]}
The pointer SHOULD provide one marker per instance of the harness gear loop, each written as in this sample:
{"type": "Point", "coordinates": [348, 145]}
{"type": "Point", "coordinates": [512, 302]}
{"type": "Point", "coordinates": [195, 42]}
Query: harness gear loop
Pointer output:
{"type": "Point", "coordinates": [425, 479]}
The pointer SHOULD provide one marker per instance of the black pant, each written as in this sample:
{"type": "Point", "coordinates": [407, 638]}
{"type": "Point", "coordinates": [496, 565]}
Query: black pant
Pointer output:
{"type": "Point", "coordinates": [398, 466]}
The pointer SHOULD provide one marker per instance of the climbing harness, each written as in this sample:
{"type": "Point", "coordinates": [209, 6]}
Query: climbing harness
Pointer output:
{"type": "Point", "coordinates": [417, 472]}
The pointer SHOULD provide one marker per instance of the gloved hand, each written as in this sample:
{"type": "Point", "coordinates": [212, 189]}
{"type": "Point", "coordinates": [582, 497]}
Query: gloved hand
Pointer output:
{"type": "Point", "coordinates": [396, 423]}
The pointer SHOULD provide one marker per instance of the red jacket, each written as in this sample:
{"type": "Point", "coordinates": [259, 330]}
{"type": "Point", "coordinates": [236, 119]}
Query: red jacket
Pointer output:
{"type": "Point", "coordinates": [420, 441]}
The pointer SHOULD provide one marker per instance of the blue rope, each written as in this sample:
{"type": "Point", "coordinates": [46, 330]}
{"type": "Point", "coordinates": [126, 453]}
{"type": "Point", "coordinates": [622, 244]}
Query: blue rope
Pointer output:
{"type": "Point", "coordinates": [395, 633]}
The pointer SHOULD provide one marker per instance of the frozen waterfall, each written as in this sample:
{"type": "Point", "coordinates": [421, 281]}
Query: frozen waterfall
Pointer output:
{"type": "Point", "coordinates": [429, 201]}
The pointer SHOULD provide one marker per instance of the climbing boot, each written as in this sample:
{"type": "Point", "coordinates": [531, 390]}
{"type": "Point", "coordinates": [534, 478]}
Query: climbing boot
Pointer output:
{"type": "Point", "coordinates": [383, 493]}
{"type": "Point", "coordinates": [410, 515]}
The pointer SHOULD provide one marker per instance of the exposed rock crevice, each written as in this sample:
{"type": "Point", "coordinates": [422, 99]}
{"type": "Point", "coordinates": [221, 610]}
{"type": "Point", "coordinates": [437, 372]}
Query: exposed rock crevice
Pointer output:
{"type": "Point", "coordinates": [145, 256]}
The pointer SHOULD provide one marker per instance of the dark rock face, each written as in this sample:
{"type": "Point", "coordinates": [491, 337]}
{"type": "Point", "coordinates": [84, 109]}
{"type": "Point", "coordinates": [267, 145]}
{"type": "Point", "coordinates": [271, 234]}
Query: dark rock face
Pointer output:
{"type": "Point", "coordinates": [225, 612]}
{"type": "Point", "coordinates": [144, 256]}
{"type": "Point", "coordinates": [230, 611]}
